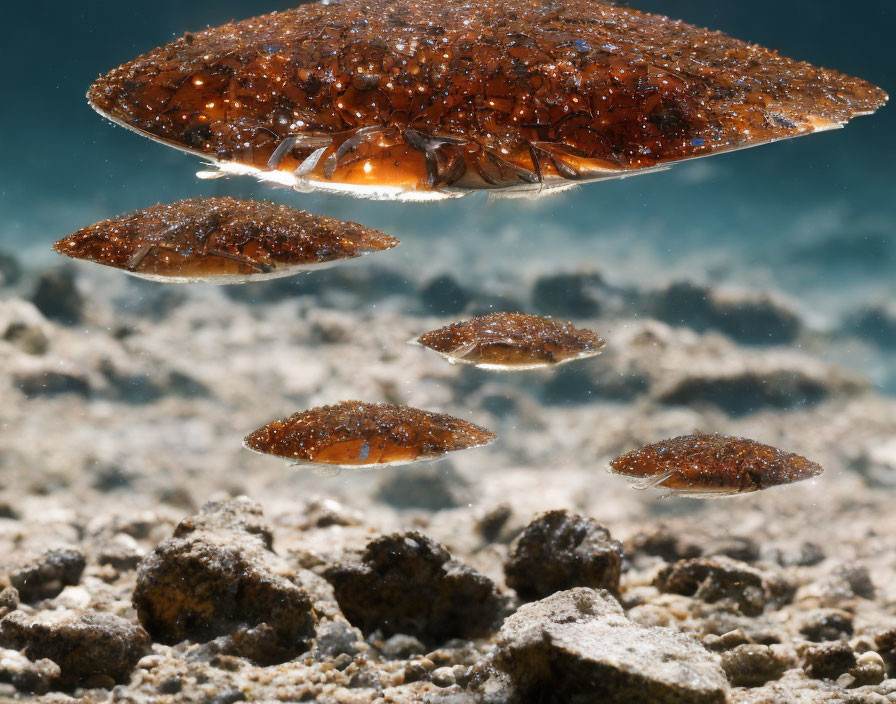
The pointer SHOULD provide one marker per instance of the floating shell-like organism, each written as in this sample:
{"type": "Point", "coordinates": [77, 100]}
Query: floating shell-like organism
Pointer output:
{"type": "Point", "coordinates": [356, 434]}
{"type": "Point", "coordinates": [427, 99]}
{"type": "Point", "coordinates": [512, 341]}
{"type": "Point", "coordinates": [220, 240]}
{"type": "Point", "coordinates": [706, 466]}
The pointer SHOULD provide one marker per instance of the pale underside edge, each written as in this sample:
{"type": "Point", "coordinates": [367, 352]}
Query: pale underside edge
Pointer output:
{"type": "Point", "coordinates": [329, 469]}
{"type": "Point", "coordinates": [231, 279]}
{"type": "Point", "coordinates": [549, 186]}
{"type": "Point", "coordinates": [453, 358]}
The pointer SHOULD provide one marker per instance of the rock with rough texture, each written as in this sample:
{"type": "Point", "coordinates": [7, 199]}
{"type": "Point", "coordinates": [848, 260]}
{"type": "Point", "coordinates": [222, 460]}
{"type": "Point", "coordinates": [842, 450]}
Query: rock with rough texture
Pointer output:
{"type": "Point", "coordinates": [44, 576]}
{"type": "Point", "coordinates": [27, 676]}
{"type": "Point", "coordinates": [578, 646]}
{"type": "Point", "coordinates": [752, 665]}
{"type": "Point", "coordinates": [559, 550]}
{"type": "Point", "coordinates": [715, 579]}
{"type": "Point", "coordinates": [240, 514]}
{"type": "Point", "coordinates": [407, 583]}
{"type": "Point", "coordinates": [868, 670]}
{"type": "Point", "coordinates": [827, 661]}
{"type": "Point", "coordinates": [87, 646]}
{"type": "Point", "coordinates": [216, 578]}
{"type": "Point", "coordinates": [820, 625]}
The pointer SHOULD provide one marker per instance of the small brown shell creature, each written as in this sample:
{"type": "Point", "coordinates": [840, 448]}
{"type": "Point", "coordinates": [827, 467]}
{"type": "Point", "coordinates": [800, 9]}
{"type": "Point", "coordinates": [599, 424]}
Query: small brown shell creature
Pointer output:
{"type": "Point", "coordinates": [706, 466]}
{"type": "Point", "coordinates": [512, 341]}
{"type": "Point", "coordinates": [220, 240]}
{"type": "Point", "coordinates": [357, 434]}
{"type": "Point", "coordinates": [423, 99]}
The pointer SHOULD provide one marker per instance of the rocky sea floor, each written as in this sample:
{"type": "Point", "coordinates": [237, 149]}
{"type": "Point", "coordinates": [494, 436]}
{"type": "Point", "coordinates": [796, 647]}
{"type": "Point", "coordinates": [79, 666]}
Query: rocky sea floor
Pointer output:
{"type": "Point", "coordinates": [146, 557]}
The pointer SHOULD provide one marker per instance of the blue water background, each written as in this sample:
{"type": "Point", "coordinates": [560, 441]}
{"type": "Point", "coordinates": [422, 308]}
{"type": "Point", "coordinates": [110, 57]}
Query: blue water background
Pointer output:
{"type": "Point", "coordinates": [813, 217]}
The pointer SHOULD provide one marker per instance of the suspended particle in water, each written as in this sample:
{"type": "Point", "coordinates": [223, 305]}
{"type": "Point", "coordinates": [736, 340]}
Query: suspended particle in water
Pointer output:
{"type": "Point", "coordinates": [512, 341]}
{"type": "Point", "coordinates": [357, 434]}
{"type": "Point", "coordinates": [220, 240]}
{"type": "Point", "coordinates": [706, 466]}
{"type": "Point", "coordinates": [423, 99]}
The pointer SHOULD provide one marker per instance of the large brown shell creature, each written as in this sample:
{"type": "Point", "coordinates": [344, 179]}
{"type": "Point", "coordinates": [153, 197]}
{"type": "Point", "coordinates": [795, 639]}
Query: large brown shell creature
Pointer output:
{"type": "Point", "coordinates": [357, 434]}
{"type": "Point", "coordinates": [428, 99]}
{"type": "Point", "coordinates": [706, 466]}
{"type": "Point", "coordinates": [512, 341]}
{"type": "Point", "coordinates": [220, 240]}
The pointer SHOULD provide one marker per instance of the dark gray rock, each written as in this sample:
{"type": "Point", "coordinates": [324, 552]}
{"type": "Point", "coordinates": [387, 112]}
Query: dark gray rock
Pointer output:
{"type": "Point", "coordinates": [433, 487]}
{"type": "Point", "coordinates": [216, 578]}
{"type": "Point", "coordinates": [578, 646]}
{"type": "Point", "coordinates": [45, 576]}
{"type": "Point", "coordinates": [559, 550]}
{"type": "Point", "coordinates": [83, 644]}
{"type": "Point", "coordinates": [26, 676]}
{"type": "Point", "coordinates": [751, 320]}
{"type": "Point", "coordinates": [57, 297]}
{"type": "Point", "coordinates": [568, 295]}
{"type": "Point", "coordinates": [821, 625]}
{"type": "Point", "coordinates": [408, 583]}
{"type": "Point", "coordinates": [662, 540]}
{"type": "Point", "coordinates": [444, 296]}
{"type": "Point", "coordinates": [48, 382]}
{"type": "Point", "coordinates": [752, 665]}
{"type": "Point", "coordinates": [827, 661]}
{"type": "Point", "coordinates": [749, 391]}
{"type": "Point", "coordinates": [720, 578]}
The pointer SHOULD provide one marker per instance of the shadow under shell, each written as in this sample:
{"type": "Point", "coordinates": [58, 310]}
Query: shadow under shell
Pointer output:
{"type": "Point", "coordinates": [221, 240]}
{"type": "Point", "coordinates": [512, 342]}
{"type": "Point", "coordinates": [706, 466]}
{"type": "Point", "coordinates": [356, 434]}
{"type": "Point", "coordinates": [424, 99]}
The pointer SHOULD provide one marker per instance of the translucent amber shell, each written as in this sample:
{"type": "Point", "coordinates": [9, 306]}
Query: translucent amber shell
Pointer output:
{"type": "Point", "coordinates": [353, 434]}
{"type": "Point", "coordinates": [712, 465]}
{"type": "Point", "coordinates": [220, 240]}
{"type": "Point", "coordinates": [511, 341]}
{"type": "Point", "coordinates": [401, 99]}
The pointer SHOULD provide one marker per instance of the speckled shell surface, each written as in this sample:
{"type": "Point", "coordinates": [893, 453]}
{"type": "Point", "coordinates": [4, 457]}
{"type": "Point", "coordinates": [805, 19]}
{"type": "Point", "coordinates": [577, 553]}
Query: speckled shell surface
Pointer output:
{"type": "Point", "coordinates": [353, 433]}
{"type": "Point", "coordinates": [401, 99]}
{"type": "Point", "coordinates": [713, 464]}
{"type": "Point", "coordinates": [220, 240]}
{"type": "Point", "coordinates": [512, 341]}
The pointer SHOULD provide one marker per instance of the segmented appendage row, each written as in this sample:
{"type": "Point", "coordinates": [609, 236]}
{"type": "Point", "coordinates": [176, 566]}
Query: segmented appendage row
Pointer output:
{"type": "Point", "coordinates": [447, 157]}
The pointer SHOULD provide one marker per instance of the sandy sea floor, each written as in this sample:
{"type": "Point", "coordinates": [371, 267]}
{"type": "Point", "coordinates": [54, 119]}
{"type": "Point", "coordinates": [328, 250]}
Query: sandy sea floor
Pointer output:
{"type": "Point", "coordinates": [124, 406]}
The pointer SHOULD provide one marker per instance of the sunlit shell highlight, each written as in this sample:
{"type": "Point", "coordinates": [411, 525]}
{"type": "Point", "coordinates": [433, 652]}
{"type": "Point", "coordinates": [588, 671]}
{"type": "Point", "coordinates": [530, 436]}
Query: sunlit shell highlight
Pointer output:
{"type": "Point", "coordinates": [706, 466]}
{"type": "Point", "coordinates": [220, 240]}
{"type": "Point", "coordinates": [512, 341]}
{"type": "Point", "coordinates": [428, 99]}
{"type": "Point", "coordinates": [356, 434]}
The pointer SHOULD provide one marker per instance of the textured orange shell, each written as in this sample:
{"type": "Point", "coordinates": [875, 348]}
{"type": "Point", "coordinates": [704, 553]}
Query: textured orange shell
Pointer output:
{"type": "Point", "coordinates": [353, 434]}
{"type": "Point", "coordinates": [430, 95]}
{"type": "Point", "coordinates": [713, 465]}
{"type": "Point", "coordinates": [512, 341]}
{"type": "Point", "coordinates": [220, 240]}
